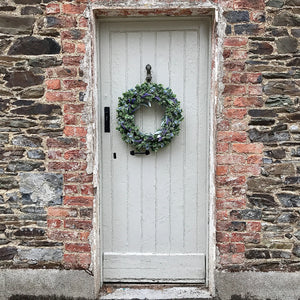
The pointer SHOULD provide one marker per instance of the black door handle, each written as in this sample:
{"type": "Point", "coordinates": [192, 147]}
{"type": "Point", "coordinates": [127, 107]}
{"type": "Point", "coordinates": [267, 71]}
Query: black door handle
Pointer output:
{"type": "Point", "coordinates": [106, 119]}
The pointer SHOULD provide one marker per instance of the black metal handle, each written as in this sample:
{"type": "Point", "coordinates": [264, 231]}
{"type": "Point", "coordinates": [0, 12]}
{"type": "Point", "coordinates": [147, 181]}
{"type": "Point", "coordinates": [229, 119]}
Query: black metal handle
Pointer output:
{"type": "Point", "coordinates": [148, 77]}
{"type": "Point", "coordinates": [147, 152]}
{"type": "Point", "coordinates": [106, 119]}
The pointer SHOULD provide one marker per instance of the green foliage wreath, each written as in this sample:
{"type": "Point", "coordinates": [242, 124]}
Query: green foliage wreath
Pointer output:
{"type": "Point", "coordinates": [144, 94]}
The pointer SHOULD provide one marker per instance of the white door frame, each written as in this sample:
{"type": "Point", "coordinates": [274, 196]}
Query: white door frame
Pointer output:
{"type": "Point", "coordinates": [214, 72]}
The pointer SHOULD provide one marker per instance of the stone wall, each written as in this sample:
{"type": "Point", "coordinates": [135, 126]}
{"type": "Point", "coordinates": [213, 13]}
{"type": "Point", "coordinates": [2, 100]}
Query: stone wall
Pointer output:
{"type": "Point", "coordinates": [46, 191]}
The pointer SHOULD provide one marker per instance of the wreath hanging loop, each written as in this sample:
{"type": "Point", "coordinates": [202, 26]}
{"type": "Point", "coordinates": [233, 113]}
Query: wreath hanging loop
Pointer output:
{"type": "Point", "coordinates": [144, 94]}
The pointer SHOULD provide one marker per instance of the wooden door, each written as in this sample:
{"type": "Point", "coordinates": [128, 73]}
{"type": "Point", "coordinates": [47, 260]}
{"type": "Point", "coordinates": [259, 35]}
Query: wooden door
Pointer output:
{"type": "Point", "coordinates": [154, 208]}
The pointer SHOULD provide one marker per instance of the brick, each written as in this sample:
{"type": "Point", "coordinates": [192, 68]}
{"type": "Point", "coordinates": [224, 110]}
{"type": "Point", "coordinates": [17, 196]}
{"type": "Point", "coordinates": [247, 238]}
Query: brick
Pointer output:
{"type": "Point", "coordinates": [61, 212]}
{"type": "Point", "coordinates": [80, 200]}
{"type": "Point", "coordinates": [75, 155]}
{"type": "Point", "coordinates": [254, 159]}
{"type": "Point", "coordinates": [53, 84]}
{"type": "Point", "coordinates": [78, 224]}
{"type": "Point", "coordinates": [62, 143]}
{"type": "Point", "coordinates": [74, 84]}
{"type": "Point", "coordinates": [70, 119]}
{"type": "Point", "coordinates": [253, 238]}
{"type": "Point", "coordinates": [234, 66]}
{"type": "Point", "coordinates": [54, 223]}
{"type": "Point", "coordinates": [231, 136]}
{"type": "Point", "coordinates": [70, 189]}
{"type": "Point", "coordinates": [255, 90]}
{"type": "Point", "coordinates": [77, 247]}
{"type": "Point", "coordinates": [235, 113]}
{"type": "Point", "coordinates": [78, 177]}
{"type": "Point", "coordinates": [222, 215]}
{"type": "Point", "coordinates": [60, 96]}
{"type": "Point", "coordinates": [73, 108]}
{"type": "Point", "coordinates": [66, 72]}
{"type": "Point", "coordinates": [222, 237]}
{"type": "Point", "coordinates": [73, 34]}
{"type": "Point", "coordinates": [235, 41]}
{"type": "Point", "coordinates": [73, 9]}
{"type": "Point", "coordinates": [52, 8]}
{"type": "Point", "coordinates": [231, 248]}
{"type": "Point", "coordinates": [254, 226]}
{"type": "Point", "coordinates": [239, 54]}
{"type": "Point", "coordinates": [230, 159]}
{"type": "Point", "coordinates": [72, 60]}
{"type": "Point", "coordinates": [75, 131]}
{"type": "Point", "coordinates": [233, 180]}
{"type": "Point", "coordinates": [68, 47]}
{"type": "Point", "coordinates": [62, 235]}
{"type": "Point", "coordinates": [64, 166]}
{"type": "Point", "coordinates": [252, 170]}
{"type": "Point", "coordinates": [222, 147]}
{"type": "Point", "coordinates": [87, 189]}
{"type": "Point", "coordinates": [226, 203]}
{"type": "Point", "coordinates": [249, 4]}
{"type": "Point", "coordinates": [221, 170]}
{"type": "Point", "coordinates": [248, 148]}
{"type": "Point", "coordinates": [248, 101]}
{"type": "Point", "coordinates": [81, 48]}
{"type": "Point", "coordinates": [234, 89]}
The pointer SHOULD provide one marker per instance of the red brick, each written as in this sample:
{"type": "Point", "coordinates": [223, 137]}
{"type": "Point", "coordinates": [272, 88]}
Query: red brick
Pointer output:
{"type": "Point", "coordinates": [52, 8]}
{"type": "Point", "coordinates": [222, 237]}
{"type": "Point", "coordinates": [231, 136]}
{"type": "Point", "coordinates": [80, 200]}
{"type": "Point", "coordinates": [73, 9]}
{"type": "Point", "coordinates": [254, 159]}
{"type": "Point", "coordinates": [75, 155]}
{"type": "Point", "coordinates": [70, 189]}
{"type": "Point", "coordinates": [62, 143]}
{"type": "Point", "coordinates": [53, 84]}
{"type": "Point", "coordinates": [222, 147]}
{"type": "Point", "coordinates": [60, 96]}
{"type": "Point", "coordinates": [78, 34]}
{"type": "Point", "coordinates": [77, 247]}
{"type": "Point", "coordinates": [253, 226]}
{"type": "Point", "coordinates": [226, 53]}
{"type": "Point", "coordinates": [225, 203]}
{"type": "Point", "coordinates": [235, 41]}
{"type": "Point", "coordinates": [73, 108]}
{"type": "Point", "coordinates": [221, 170]}
{"type": "Point", "coordinates": [72, 60]}
{"type": "Point", "coordinates": [234, 66]}
{"type": "Point", "coordinates": [84, 236]}
{"type": "Point", "coordinates": [248, 148]}
{"type": "Point", "coordinates": [84, 260]}
{"type": "Point", "coordinates": [245, 169]}
{"type": "Point", "coordinates": [248, 101]}
{"type": "Point", "coordinates": [68, 47]}
{"type": "Point", "coordinates": [223, 125]}
{"type": "Point", "coordinates": [83, 22]}
{"type": "Point", "coordinates": [54, 211]}
{"type": "Point", "coordinates": [70, 119]}
{"type": "Point", "coordinates": [62, 235]}
{"type": "Point", "coordinates": [231, 180]}
{"type": "Point", "coordinates": [222, 215]}
{"type": "Point", "coordinates": [52, 154]}
{"type": "Point", "coordinates": [54, 223]}
{"type": "Point", "coordinates": [249, 237]}
{"type": "Point", "coordinates": [233, 89]}
{"type": "Point", "coordinates": [87, 189]}
{"type": "Point", "coordinates": [255, 90]}
{"type": "Point", "coordinates": [257, 16]}
{"type": "Point", "coordinates": [78, 178]}
{"type": "Point", "coordinates": [78, 224]}
{"type": "Point", "coordinates": [70, 261]}
{"type": "Point", "coordinates": [231, 248]}
{"type": "Point", "coordinates": [249, 4]}
{"type": "Point", "coordinates": [80, 48]}
{"type": "Point", "coordinates": [222, 193]}
{"type": "Point", "coordinates": [230, 159]}
{"type": "Point", "coordinates": [232, 259]}
{"type": "Point", "coordinates": [74, 84]}
{"type": "Point", "coordinates": [75, 131]}
{"type": "Point", "coordinates": [239, 54]}
{"type": "Point", "coordinates": [66, 72]}
{"type": "Point", "coordinates": [235, 113]}
{"type": "Point", "coordinates": [64, 166]}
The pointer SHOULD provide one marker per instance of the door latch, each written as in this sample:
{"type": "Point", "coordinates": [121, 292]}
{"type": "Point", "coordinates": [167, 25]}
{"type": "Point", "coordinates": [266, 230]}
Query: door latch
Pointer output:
{"type": "Point", "coordinates": [106, 119]}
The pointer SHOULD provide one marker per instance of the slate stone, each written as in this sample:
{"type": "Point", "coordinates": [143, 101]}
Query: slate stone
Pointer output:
{"type": "Point", "coordinates": [23, 165]}
{"type": "Point", "coordinates": [16, 25]}
{"type": "Point", "coordinates": [285, 18]}
{"type": "Point", "coordinates": [281, 254]}
{"type": "Point", "coordinates": [30, 232]}
{"type": "Point", "coordinates": [30, 45]}
{"type": "Point", "coordinates": [278, 101]}
{"type": "Point", "coordinates": [7, 7]}
{"type": "Point", "coordinates": [36, 154]}
{"type": "Point", "coordinates": [292, 180]}
{"type": "Point", "coordinates": [286, 45]}
{"type": "Point", "coordinates": [246, 29]}
{"type": "Point", "coordinates": [23, 79]}
{"type": "Point", "coordinates": [275, 3]}
{"type": "Point", "coordinates": [292, 2]}
{"type": "Point", "coordinates": [31, 10]}
{"type": "Point", "coordinates": [296, 152]}
{"type": "Point", "coordinates": [5, 210]}
{"type": "Point", "coordinates": [33, 92]}
{"type": "Point", "coordinates": [289, 200]}
{"type": "Point", "coordinates": [28, 1]}
{"type": "Point", "coordinates": [1, 199]}
{"type": "Point", "coordinates": [261, 48]}
{"type": "Point", "coordinates": [22, 102]}
{"type": "Point", "coordinates": [27, 141]}
{"type": "Point", "coordinates": [267, 137]}
{"type": "Point", "coordinates": [281, 88]}
{"type": "Point", "coordinates": [17, 123]}
{"type": "Point", "coordinates": [7, 253]}
{"type": "Point", "coordinates": [228, 30]}
{"type": "Point", "coordinates": [288, 218]}
{"type": "Point", "coordinates": [263, 185]}
{"type": "Point", "coordinates": [277, 75]}
{"type": "Point", "coordinates": [276, 153]}
{"type": "Point", "coordinates": [247, 214]}
{"type": "Point", "coordinates": [2, 228]}
{"type": "Point", "coordinates": [8, 183]}
{"type": "Point", "coordinates": [297, 235]}
{"type": "Point", "coordinates": [44, 62]}
{"type": "Point", "coordinates": [40, 254]}
{"type": "Point", "coordinates": [237, 16]}
{"type": "Point", "coordinates": [37, 109]}
{"type": "Point", "coordinates": [39, 243]}
{"type": "Point", "coordinates": [261, 113]}
{"type": "Point", "coordinates": [261, 122]}
{"type": "Point", "coordinates": [257, 254]}
{"type": "Point", "coordinates": [33, 210]}
{"type": "Point", "coordinates": [294, 62]}
{"type": "Point", "coordinates": [296, 250]}
{"type": "Point", "coordinates": [296, 32]}
{"type": "Point", "coordinates": [11, 154]}
{"type": "Point", "coordinates": [44, 189]}
{"type": "Point", "coordinates": [4, 138]}
{"type": "Point", "coordinates": [279, 32]}
{"type": "Point", "coordinates": [262, 200]}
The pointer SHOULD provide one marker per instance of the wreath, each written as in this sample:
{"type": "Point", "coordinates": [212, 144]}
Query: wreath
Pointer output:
{"type": "Point", "coordinates": [144, 94]}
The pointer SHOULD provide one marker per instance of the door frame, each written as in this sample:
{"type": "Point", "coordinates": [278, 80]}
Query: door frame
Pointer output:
{"type": "Point", "coordinates": [97, 11]}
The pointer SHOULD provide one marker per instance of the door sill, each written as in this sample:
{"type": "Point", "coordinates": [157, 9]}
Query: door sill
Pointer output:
{"type": "Point", "coordinates": [153, 291]}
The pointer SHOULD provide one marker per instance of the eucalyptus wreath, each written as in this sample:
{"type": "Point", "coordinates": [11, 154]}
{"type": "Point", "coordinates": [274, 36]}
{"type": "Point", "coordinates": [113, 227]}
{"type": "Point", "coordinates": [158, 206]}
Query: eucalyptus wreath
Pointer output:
{"type": "Point", "coordinates": [144, 94]}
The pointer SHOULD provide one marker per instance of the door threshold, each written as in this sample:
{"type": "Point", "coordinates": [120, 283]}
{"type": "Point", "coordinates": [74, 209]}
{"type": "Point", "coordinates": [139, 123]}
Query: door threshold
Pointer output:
{"type": "Point", "coordinates": [154, 291]}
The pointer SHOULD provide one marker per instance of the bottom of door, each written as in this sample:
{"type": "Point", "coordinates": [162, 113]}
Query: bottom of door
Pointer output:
{"type": "Point", "coordinates": [148, 267]}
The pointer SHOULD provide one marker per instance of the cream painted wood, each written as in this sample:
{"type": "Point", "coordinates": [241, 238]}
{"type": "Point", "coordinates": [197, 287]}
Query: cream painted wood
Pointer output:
{"type": "Point", "coordinates": [154, 208]}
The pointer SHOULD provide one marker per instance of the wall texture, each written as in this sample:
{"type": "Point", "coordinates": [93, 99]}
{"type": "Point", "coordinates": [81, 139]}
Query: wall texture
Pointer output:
{"type": "Point", "coordinates": [46, 190]}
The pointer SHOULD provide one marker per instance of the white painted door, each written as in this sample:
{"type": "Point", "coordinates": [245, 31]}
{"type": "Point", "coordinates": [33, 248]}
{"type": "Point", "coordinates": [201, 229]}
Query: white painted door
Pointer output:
{"type": "Point", "coordinates": [154, 208]}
